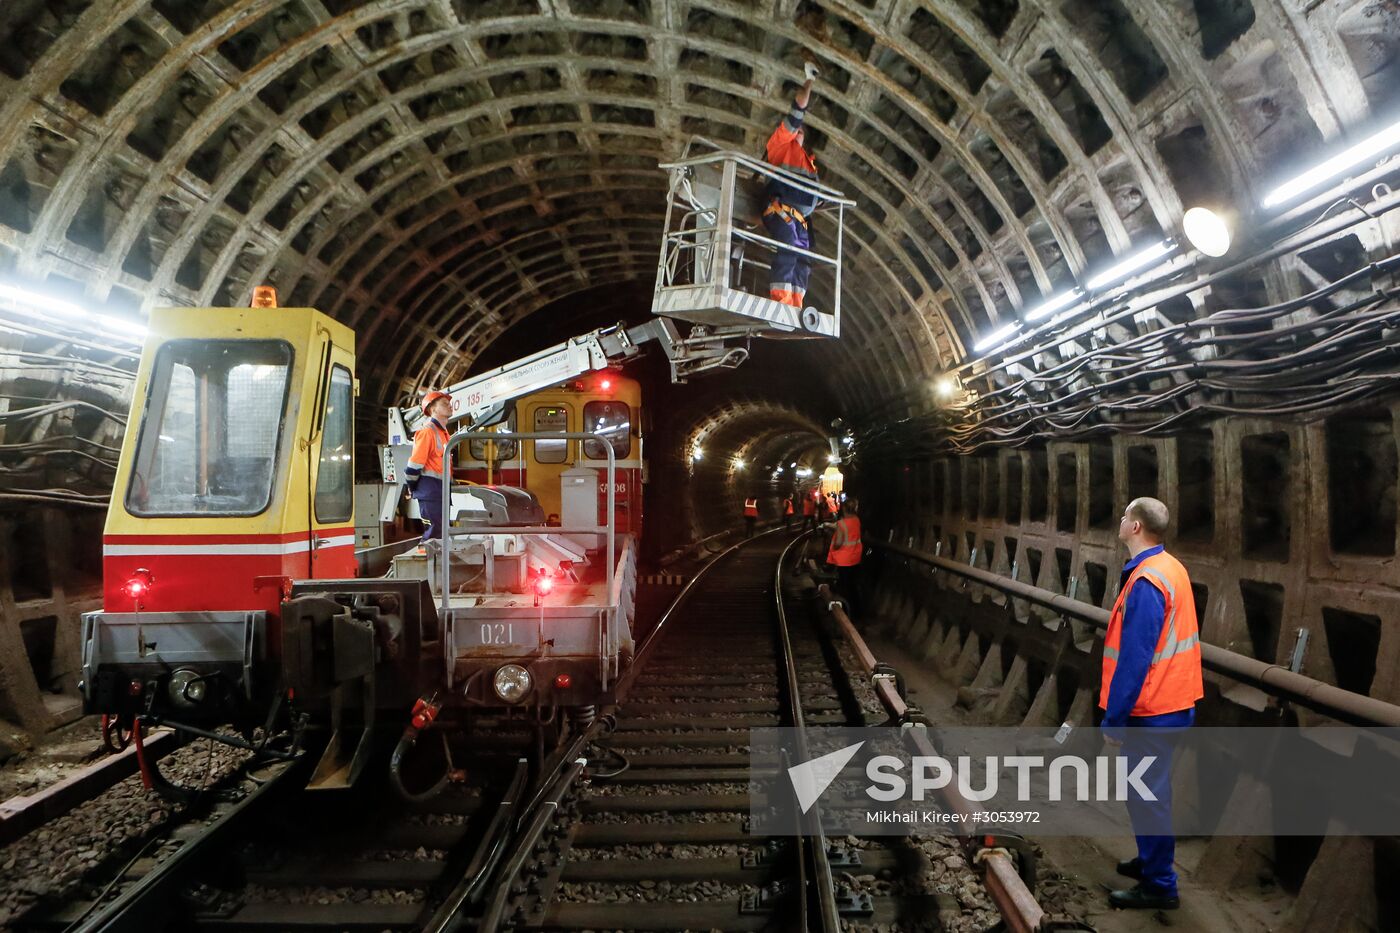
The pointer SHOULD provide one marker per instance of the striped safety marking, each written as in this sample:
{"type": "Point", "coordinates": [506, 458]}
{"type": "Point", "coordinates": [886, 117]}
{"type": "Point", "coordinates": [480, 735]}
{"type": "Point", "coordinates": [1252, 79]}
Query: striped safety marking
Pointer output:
{"type": "Point", "coordinates": [664, 579]}
{"type": "Point", "coordinates": [227, 545]}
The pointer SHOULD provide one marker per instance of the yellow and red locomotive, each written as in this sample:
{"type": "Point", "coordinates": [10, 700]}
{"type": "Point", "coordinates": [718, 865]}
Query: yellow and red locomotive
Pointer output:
{"type": "Point", "coordinates": [230, 591]}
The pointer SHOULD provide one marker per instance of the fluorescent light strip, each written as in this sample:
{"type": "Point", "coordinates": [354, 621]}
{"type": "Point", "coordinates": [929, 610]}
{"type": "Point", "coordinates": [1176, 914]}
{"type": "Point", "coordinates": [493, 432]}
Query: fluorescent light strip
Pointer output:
{"type": "Point", "coordinates": [995, 338]}
{"type": "Point", "coordinates": [1053, 305]}
{"type": "Point", "coordinates": [1130, 265]}
{"type": "Point", "coordinates": [1368, 148]}
{"type": "Point", "coordinates": [122, 327]}
{"type": "Point", "coordinates": [28, 300]}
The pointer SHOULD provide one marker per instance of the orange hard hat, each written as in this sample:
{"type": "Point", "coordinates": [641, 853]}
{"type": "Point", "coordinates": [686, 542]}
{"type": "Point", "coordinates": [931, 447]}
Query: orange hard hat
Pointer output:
{"type": "Point", "coordinates": [433, 397]}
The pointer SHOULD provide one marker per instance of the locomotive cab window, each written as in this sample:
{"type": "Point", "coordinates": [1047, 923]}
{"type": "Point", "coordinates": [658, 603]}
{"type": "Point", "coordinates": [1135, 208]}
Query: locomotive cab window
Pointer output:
{"type": "Point", "coordinates": [550, 419]}
{"type": "Point", "coordinates": [498, 451]}
{"type": "Point", "coordinates": [613, 420]}
{"type": "Point", "coordinates": [211, 429]}
{"type": "Point", "coordinates": [335, 493]}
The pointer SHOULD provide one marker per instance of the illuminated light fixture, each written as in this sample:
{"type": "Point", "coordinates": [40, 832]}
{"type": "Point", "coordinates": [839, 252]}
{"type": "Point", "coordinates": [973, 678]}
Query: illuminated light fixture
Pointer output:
{"type": "Point", "coordinates": [563, 681]}
{"type": "Point", "coordinates": [793, 465]}
{"type": "Point", "coordinates": [697, 454]}
{"type": "Point", "coordinates": [122, 326]}
{"type": "Point", "coordinates": [946, 387]}
{"type": "Point", "coordinates": [605, 384]}
{"type": "Point", "coordinates": [139, 583]}
{"type": "Point", "coordinates": [995, 338]}
{"type": "Point", "coordinates": [1368, 148]}
{"type": "Point", "coordinates": [848, 440]}
{"type": "Point", "coordinates": [739, 463]}
{"type": "Point", "coordinates": [1047, 308]}
{"type": "Point", "coordinates": [804, 472]}
{"type": "Point", "coordinates": [1128, 266]}
{"type": "Point", "coordinates": [264, 296]}
{"type": "Point", "coordinates": [33, 300]}
{"type": "Point", "coordinates": [1208, 231]}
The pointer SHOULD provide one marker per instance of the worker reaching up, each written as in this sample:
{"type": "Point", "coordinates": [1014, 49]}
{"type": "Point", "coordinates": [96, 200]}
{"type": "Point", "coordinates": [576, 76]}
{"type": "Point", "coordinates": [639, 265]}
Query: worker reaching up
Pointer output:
{"type": "Point", "coordinates": [426, 473]}
{"type": "Point", "coordinates": [787, 218]}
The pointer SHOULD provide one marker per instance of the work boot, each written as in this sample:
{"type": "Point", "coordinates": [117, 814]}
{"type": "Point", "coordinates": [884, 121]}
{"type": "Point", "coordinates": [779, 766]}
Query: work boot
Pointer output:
{"type": "Point", "coordinates": [1131, 868]}
{"type": "Point", "coordinates": [1139, 898]}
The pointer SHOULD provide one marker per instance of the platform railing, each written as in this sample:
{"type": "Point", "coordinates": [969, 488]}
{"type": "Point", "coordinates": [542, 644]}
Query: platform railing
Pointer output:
{"type": "Point", "coordinates": [711, 233]}
{"type": "Point", "coordinates": [610, 529]}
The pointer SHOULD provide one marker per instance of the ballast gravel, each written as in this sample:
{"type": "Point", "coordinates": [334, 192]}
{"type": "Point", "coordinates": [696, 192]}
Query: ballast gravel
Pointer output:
{"type": "Point", "coordinates": [52, 860]}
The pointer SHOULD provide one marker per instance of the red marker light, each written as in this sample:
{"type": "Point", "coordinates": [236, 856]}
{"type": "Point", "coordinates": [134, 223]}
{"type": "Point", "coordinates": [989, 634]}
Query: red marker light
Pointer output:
{"type": "Point", "coordinates": [605, 384]}
{"type": "Point", "coordinates": [563, 681]}
{"type": "Point", "coordinates": [138, 584]}
{"type": "Point", "coordinates": [543, 583]}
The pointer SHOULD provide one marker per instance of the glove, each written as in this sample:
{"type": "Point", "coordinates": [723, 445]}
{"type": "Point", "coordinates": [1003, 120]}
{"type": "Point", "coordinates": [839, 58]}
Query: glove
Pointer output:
{"type": "Point", "coordinates": [412, 483]}
{"type": "Point", "coordinates": [811, 71]}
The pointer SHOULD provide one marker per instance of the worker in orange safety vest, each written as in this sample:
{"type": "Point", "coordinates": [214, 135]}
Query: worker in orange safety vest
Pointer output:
{"type": "Point", "coordinates": [750, 515]}
{"type": "Point", "coordinates": [787, 218]}
{"type": "Point", "coordinates": [787, 512]}
{"type": "Point", "coordinates": [1148, 691]}
{"type": "Point", "coordinates": [845, 553]}
{"type": "Point", "coordinates": [426, 473]}
{"type": "Point", "coordinates": [809, 511]}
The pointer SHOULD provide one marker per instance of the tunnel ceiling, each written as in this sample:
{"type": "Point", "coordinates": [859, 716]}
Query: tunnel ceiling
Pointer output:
{"type": "Point", "coordinates": [433, 171]}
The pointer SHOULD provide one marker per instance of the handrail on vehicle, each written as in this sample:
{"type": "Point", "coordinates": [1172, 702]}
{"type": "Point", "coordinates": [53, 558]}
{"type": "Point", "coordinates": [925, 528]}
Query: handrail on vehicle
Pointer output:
{"type": "Point", "coordinates": [456, 440]}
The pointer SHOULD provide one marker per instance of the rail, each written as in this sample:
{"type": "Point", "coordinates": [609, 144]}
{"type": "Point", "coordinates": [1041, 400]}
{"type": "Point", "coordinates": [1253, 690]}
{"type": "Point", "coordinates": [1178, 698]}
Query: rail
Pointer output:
{"type": "Point", "coordinates": [812, 840]}
{"type": "Point", "coordinates": [1344, 705]}
{"type": "Point", "coordinates": [1008, 881]}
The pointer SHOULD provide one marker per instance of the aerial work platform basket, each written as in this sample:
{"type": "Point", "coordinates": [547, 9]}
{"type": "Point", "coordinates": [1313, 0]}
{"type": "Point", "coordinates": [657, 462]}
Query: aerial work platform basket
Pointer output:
{"type": "Point", "coordinates": [715, 253]}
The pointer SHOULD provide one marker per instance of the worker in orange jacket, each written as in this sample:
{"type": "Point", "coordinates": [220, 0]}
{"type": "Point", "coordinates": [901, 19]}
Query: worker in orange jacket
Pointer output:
{"type": "Point", "coordinates": [809, 511]}
{"type": "Point", "coordinates": [845, 553]}
{"type": "Point", "coordinates": [1148, 691]}
{"type": "Point", "coordinates": [787, 512]}
{"type": "Point", "coordinates": [426, 473]}
{"type": "Point", "coordinates": [750, 515]}
{"type": "Point", "coordinates": [787, 218]}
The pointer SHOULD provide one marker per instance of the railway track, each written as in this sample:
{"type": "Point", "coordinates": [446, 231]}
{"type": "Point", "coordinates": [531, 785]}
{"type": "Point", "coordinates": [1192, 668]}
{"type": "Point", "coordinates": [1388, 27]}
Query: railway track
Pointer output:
{"type": "Point", "coordinates": [659, 839]}
{"type": "Point", "coordinates": [642, 823]}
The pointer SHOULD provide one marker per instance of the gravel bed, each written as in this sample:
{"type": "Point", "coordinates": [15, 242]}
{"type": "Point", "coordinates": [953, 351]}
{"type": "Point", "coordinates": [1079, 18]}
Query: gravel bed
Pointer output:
{"type": "Point", "coordinates": [657, 850]}
{"type": "Point", "coordinates": [860, 681]}
{"type": "Point", "coordinates": [49, 759]}
{"type": "Point", "coordinates": [608, 789]}
{"type": "Point", "coordinates": [52, 860]}
{"type": "Point", "coordinates": [668, 816]}
{"type": "Point", "coordinates": [651, 892]}
{"type": "Point", "coordinates": [437, 819]}
{"type": "Point", "coordinates": [420, 854]}
{"type": "Point", "coordinates": [317, 894]}
{"type": "Point", "coordinates": [671, 749]}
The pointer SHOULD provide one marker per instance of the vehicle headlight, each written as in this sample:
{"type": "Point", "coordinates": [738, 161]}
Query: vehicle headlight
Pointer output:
{"type": "Point", "coordinates": [512, 682]}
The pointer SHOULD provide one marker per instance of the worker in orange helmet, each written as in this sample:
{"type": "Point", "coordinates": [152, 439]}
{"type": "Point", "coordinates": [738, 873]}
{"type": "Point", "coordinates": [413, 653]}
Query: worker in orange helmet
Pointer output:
{"type": "Point", "coordinates": [787, 218]}
{"type": "Point", "coordinates": [426, 472]}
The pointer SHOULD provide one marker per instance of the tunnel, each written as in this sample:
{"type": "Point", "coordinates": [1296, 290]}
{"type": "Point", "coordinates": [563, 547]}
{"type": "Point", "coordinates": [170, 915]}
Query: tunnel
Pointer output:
{"type": "Point", "coordinates": [1033, 331]}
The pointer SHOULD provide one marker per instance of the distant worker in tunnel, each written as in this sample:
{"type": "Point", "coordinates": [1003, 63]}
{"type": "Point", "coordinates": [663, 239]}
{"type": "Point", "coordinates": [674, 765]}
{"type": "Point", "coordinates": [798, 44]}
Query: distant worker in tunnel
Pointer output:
{"type": "Point", "coordinates": [426, 471]}
{"type": "Point", "coordinates": [845, 553]}
{"type": "Point", "coordinates": [809, 511]}
{"type": "Point", "coordinates": [787, 511]}
{"type": "Point", "coordinates": [1151, 682]}
{"type": "Point", "coordinates": [787, 218]}
{"type": "Point", "coordinates": [750, 515]}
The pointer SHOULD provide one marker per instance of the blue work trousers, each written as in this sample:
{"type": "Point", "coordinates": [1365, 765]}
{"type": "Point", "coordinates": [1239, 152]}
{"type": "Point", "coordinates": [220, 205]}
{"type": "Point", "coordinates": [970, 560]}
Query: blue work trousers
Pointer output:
{"type": "Point", "coordinates": [428, 492]}
{"type": "Point", "coordinates": [1152, 819]}
{"type": "Point", "coordinates": [789, 272]}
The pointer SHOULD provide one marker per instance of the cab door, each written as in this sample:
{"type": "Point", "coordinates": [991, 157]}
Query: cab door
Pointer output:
{"type": "Point", "coordinates": [549, 458]}
{"type": "Point", "coordinates": [332, 501]}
